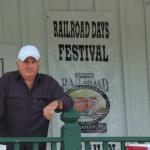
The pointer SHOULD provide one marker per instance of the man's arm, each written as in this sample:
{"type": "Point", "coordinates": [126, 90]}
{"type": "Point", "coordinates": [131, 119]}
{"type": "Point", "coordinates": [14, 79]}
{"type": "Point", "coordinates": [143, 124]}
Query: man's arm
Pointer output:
{"type": "Point", "coordinates": [60, 101]}
{"type": "Point", "coordinates": [2, 97]}
{"type": "Point", "coordinates": [49, 110]}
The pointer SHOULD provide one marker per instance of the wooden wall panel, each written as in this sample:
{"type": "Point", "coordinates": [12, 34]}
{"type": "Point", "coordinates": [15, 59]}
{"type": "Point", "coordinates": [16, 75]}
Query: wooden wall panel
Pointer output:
{"type": "Point", "coordinates": [34, 30]}
{"type": "Point", "coordinates": [82, 5]}
{"type": "Point", "coordinates": [59, 4]}
{"type": "Point", "coordinates": [106, 5]}
{"type": "Point", "coordinates": [11, 25]}
{"type": "Point", "coordinates": [1, 21]}
{"type": "Point", "coordinates": [135, 67]}
{"type": "Point", "coordinates": [147, 37]}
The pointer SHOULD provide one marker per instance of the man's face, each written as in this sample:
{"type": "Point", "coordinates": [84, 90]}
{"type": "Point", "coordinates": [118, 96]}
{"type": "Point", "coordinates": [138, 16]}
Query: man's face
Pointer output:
{"type": "Point", "coordinates": [28, 68]}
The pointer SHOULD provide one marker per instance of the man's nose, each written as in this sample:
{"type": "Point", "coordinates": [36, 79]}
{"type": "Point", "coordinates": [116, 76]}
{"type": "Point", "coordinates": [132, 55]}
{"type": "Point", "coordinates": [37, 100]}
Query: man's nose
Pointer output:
{"type": "Point", "coordinates": [30, 64]}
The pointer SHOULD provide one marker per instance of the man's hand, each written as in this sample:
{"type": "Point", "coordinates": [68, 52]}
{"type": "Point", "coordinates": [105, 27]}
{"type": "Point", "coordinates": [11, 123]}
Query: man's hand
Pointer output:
{"type": "Point", "coordinates": [48, 111]}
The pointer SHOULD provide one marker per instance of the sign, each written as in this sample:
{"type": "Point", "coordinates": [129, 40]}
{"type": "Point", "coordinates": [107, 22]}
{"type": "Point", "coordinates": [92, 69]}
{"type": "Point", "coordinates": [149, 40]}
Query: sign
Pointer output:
{"type": "Point", "coordinates": [83, 56]}
{"type": "Point", "coordinates": [138, 147]}
{"type": "Point", "coordinates": [2, 147]}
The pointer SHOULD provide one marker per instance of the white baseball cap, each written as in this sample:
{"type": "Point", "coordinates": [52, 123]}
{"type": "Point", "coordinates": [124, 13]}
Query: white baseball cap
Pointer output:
{"type": "Point", "coordinates": [28, 51]}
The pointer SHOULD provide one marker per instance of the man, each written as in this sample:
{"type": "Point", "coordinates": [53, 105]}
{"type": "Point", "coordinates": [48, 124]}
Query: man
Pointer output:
{"type": "Point", "coordinates": [28, 99]}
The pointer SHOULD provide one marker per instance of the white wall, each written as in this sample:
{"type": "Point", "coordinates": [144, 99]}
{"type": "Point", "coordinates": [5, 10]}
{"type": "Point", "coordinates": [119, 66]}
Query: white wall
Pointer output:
{"type": "Point", "coordinates": [135, 65]}
{"type": "Point", "coordinates": [24, 21]}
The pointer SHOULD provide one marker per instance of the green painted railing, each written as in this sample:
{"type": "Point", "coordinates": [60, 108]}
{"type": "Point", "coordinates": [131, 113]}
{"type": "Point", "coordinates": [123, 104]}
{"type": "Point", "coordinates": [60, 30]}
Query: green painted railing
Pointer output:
{"type": "Point", "coordinates": [34, 140]}
{"type": "Point", "coordinates": [71, 138]}
{"type": "Point", "coordinates": [122, 141]}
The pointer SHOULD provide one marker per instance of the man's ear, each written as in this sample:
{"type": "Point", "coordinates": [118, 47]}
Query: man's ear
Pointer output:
{"type": "Point", "coordinates": [17, 63]}
{"type": "Point", "coordinates": [39, 63]}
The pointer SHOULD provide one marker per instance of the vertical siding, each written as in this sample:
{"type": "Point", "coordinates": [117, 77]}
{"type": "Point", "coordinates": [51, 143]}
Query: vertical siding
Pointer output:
{"type": "Point", "coordinates": [106, 5]}
{"type": "Point", "coordinates": [33, 26]}
{"type": "Point", "coordinates": [24, 22]}
{"type": "Point", "coordinates": [81, 5]}
{"type": "Point", "coordinates": [124, 56]}
{"type": "Point", "coordinates": [59, 4]}
{"type": "Point", "coordinates": [135, 67]}
{"type": "Point", "coordinates": [22, 6]}
{"type": "Point", "coordinates": [1, 21]}
{"type": "Point", "coordinates": [147, 37]}
{"type": "Point", "coordinates": [137, 70]}
{"type": "Point", "coordinates": [10, 21]}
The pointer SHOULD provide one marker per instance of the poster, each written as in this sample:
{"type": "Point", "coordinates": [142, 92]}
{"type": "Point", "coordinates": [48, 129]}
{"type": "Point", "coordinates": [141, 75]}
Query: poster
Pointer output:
{"type": "Point", "coordinates": [83, 56]}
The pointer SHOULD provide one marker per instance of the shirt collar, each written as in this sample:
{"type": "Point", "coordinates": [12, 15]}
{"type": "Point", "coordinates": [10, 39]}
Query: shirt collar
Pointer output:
{"type": "Point", "coordinates": [37, 79]}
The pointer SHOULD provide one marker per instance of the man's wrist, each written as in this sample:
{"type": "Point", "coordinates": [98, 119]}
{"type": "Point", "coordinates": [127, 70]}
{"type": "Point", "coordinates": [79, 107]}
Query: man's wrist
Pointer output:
{"type": "Point", "coordinates": [60, 104]}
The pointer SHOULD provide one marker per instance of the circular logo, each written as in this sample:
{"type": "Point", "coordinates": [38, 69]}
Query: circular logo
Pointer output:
{"type": "Point", "coordinates": [91, 101]}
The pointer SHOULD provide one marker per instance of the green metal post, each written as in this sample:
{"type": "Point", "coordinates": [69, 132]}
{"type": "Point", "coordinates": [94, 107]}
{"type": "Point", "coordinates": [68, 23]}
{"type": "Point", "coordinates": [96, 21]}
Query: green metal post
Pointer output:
{"type": "Point", "coordinates": [105, 145]}
{"type": "Point", "coordinates": [123, 147]}
{"type": "Point", "coordinates": [35, 146]}
{"type": "Point", "coordinates": [87, 146]}
{"type": "Point", "coordinates": [16, 146]}
{"type": "Point", "coordinates": [70, 132]}
{"type": "Point", "coordinates": [53, 146]}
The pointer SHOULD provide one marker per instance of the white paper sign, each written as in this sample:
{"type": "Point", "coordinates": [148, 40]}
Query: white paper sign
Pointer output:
{"type": "Point", "coordinates": [2, 147]}
{"type": "Point", "coordinates": [83, 55]}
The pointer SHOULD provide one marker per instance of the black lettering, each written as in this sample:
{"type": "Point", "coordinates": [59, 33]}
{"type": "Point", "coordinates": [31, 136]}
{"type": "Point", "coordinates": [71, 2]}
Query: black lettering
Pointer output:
{"type": "Point", "coordinates": [67, 32]}
{"type": "Point", "coordinates": [105, 57]}
{"type": "Point", "coordinates": [64, 82]}
{"type": "Point", "coordinates": [72, 29]}
{"type": "Point", "coordinates": [86, 53]}
{"type": "Point", "coordinates": [92, 51]}
{"type": "Point", "coordinates": [105, 85]}
{"type": "Point", "coordinates": [81, 48]}
{"type": "Point", "coordinates": [61, 48]}
{"type": "Point", "coordinates": [68, 49]}
{"type": "Point", "coordinates": [93, 29]}
{"type": "Point", "coordinates": [98, 53]}
{"type": "Point", "coordinates": [98, 30]}
{"type": "Point", "coordinates": [102, 29]}
{"type": "Point", "coordinates": [60, 29]}
{"type": "Point", "coordinates": [55, 28]}
{"type": "Point", "coordinates": [77, 29]}
{"type": "Point", "coordinates": [107, 30]}
{"type": "Point", "coordinates": [82, 29]}
{"type": "Point", "coordinates": [87, 29]}
{"type": "Point", "coordinates": [75, 53]}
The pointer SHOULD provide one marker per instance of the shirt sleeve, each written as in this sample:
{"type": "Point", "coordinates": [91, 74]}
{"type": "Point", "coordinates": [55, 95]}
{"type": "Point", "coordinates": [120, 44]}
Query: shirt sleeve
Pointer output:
{"type": "Point", "coordinates": [2, 98]}
{"type": "Point", "coordinates": [59, 94]}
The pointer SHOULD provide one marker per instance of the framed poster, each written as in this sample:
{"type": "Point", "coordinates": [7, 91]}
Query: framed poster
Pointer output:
{"type": "Point", "coordinates": [1, 66]}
